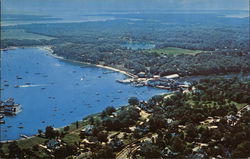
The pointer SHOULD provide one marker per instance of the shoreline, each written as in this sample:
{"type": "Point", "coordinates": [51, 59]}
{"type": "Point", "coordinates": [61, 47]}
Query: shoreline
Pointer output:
{"type": "Point", "coordinates": [50, 52]}
{"type": "Point", "coordinates": [49, 49]}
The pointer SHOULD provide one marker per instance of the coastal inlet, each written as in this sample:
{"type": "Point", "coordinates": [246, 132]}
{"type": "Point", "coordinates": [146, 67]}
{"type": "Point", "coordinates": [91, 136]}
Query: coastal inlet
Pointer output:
{"type": "Point", "coordinates": [55, 92]}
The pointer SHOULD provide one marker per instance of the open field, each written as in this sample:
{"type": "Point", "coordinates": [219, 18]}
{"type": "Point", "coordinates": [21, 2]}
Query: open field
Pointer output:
{"type": "Point", "coordinates": [21, 34]}
{"type": "Point", "coordinates": [174, 51]}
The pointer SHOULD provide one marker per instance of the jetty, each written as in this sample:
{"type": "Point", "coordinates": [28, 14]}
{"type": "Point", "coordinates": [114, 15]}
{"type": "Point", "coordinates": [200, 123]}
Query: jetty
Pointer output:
{"type": "Point", "coordinates": [129, 80]}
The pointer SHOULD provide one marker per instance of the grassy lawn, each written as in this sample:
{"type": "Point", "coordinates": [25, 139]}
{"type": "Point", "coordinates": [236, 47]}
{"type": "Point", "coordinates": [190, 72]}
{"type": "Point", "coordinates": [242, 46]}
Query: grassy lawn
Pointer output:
{"type": "Point", "coordinates": [240, 105]}
{"type": "Point", "coordinates": [174, 51]}
{"type": "Point", "coordinates": [31, 142]}
{"type": "Point", "coordinates": [24, 144]}
{"type": "Point", "coordinates": [20, 34]}
{"type": "Point", "coordinates": [71, 139]}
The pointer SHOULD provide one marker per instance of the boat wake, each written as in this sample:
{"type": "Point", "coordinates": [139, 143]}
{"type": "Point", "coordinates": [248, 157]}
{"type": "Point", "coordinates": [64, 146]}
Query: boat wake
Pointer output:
{"type": "Point", "coordinates": [26, 86]}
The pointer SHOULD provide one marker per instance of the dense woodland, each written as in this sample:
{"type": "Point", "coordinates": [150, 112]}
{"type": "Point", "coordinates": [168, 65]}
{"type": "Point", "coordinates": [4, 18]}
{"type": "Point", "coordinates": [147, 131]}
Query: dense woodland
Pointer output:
{"type": "Point", "coordinates": [224, 42]}
{"type": "Point", "coordinates": [193, 31]}
{"type": "Point", "coordinates": [136, 61]}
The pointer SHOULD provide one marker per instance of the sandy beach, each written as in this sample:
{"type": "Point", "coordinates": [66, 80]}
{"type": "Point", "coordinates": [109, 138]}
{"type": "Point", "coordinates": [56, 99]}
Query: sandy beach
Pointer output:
{"type": "Point", "coordinates": [50, 50]}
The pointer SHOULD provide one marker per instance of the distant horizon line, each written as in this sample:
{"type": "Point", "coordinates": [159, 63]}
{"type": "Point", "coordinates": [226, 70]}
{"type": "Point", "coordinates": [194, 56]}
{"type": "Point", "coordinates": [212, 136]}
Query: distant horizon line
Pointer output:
{"type": "Point", "coordinates": [124, 10]}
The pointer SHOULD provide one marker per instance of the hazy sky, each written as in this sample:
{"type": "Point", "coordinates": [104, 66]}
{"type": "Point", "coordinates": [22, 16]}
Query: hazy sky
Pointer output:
{"type": "Point", "coordinates": [43, 6]}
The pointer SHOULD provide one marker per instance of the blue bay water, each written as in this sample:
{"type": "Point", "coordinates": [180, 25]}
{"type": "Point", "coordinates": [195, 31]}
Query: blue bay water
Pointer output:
{"type": "Point", "coordinates": [63, 92]}
{"type": "Point", "coordinates": [137, 46]}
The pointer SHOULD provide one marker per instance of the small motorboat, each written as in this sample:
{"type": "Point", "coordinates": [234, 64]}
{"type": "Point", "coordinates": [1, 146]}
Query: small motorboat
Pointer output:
{"type": "Point", "coordinates": [18, 77]}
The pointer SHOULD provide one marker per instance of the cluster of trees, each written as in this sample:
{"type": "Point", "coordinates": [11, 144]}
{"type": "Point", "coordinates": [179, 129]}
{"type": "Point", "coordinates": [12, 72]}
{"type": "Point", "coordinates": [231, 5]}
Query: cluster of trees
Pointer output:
{"type": "Point", "coordinates": [123, 119]}
{"type": "Point", "coordinates": [212, 98]}
{"type": "Point", "coordinates": [5, 43]}
{"type": "Point", "coordinates": [65, 151]}
{"type": "Point", "coordinates": [214, 90]}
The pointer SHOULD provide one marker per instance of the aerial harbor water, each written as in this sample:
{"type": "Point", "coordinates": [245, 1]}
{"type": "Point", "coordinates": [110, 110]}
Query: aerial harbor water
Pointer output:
{"type": "Point", "coordinates": [137, 46]}
{"type": "Point", "coordinates": [57, 92]}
